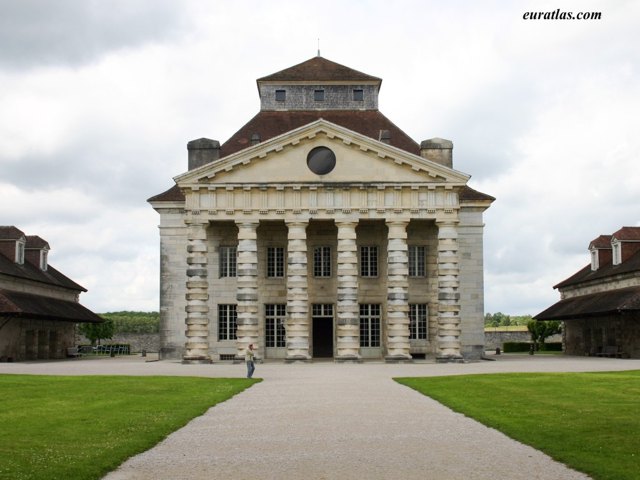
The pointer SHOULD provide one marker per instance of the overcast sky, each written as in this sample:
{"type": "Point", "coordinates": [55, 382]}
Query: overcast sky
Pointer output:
{"type": "Point", "coordinates": [98, 99]}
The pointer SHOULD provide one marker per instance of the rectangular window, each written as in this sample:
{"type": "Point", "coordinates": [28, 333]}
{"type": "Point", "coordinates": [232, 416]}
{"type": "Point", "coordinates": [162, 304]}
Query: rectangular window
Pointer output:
{"type": "Point", "coordinates": [228, 261]}
{"type": "Point", "coordinates": [322, 262]}
{"type": "Point", "coordinates": [318, 95]}
{"type": "Point", "coordinates": [19, 253]}
{"type": "Point", "coordinates": [369, 325]}
{"type": "Point", "coordinates": [275, 262]}
{"type": "Point", "coordinates": [369, 261]}
{"type": "Point", "coordinates": [358, 95]}
{"type": "Point", "coordinates": [281, 95]}
{"type": "Point", "coordinates": [274, 319]}
{"type": "Point", "coordinates": [417, 264]}
{"type": "Point", "coordinates": [322, 310]}
{"type": "Point", "coordinates": [227, 321]}
{"type": "Point", "coordinates": [418, 321]}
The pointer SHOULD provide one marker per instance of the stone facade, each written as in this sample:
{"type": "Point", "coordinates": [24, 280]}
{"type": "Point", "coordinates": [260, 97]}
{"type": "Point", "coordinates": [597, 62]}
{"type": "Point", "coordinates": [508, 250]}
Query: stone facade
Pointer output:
{"type": "Point", "coordinates": [378, 257]}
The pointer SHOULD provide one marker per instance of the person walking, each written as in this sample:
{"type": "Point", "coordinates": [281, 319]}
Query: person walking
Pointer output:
{"type": "Point", "coordinates": [249, 358]}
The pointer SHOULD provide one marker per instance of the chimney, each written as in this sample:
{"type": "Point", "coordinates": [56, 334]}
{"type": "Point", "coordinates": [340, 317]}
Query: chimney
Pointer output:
{"type": "Point", "coordinates": [202, 151]}
{"type": "Point", "coordinates": [385, 136]}
{"type": "Point", "coordinates": [438, 150]}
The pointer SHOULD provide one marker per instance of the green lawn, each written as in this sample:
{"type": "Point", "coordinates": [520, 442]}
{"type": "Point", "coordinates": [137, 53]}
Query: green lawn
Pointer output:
{"type": "Point", "coordinates": [83, 427]}
{"type": "Point", "coordinates": [589, 421]}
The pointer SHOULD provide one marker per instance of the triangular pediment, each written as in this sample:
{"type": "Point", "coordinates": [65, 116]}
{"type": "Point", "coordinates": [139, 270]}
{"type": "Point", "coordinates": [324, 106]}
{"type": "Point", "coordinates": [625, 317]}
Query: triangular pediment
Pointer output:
{"type": "Point", "coordinates": [283, 159]}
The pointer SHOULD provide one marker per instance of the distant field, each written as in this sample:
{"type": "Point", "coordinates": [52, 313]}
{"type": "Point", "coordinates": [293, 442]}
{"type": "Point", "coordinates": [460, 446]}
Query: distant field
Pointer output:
{"type": "Point", "coordinates": [588, 421]}
{"type": "Point", "coordinates": [81, 428]}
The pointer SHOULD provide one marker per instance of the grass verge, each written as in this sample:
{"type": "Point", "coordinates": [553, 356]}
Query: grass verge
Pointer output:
{"type": "Point", "coordinates": [56, 427]}
{"type": "Point", "coordinates": [588, 421]}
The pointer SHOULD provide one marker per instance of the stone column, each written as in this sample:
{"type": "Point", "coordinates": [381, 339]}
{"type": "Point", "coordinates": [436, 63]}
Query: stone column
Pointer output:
{"type": "Point", "coordinates": [448, 338]}
{"type": "Point", "coordinates": [297, 327]}
{"type": "Point", "coordinates": [347, 321]}
{"type": "Point", "coordinates": [247, 295]}
{"type": "Point", "coordinates": [397, 292]}
{"type": "Point", "coordinates": [197, 296]}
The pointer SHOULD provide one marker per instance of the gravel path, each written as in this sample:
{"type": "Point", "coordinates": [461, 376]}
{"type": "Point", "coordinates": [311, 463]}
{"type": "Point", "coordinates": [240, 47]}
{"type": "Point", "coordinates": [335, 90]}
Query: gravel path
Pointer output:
{"type": "Point", "coordinates": [328, 421]}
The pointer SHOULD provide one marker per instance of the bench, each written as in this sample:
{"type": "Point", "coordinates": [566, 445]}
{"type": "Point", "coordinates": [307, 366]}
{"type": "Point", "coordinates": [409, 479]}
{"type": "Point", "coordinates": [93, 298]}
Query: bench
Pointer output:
{"type": "Point", "coordinates": [74, 352]}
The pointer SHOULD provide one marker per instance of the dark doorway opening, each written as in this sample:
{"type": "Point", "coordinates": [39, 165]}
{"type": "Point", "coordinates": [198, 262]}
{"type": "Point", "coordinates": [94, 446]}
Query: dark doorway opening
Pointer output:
{"type": "Point", "coordinates": [322, 337]}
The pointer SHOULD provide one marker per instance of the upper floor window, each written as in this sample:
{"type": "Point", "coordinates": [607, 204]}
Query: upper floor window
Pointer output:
{"type": "Point", "coordinates": [617, 252]}
{"type": "Point", "coordinates": [19, 252]}
{"type": "Point", "coordinates": [318, 95]}
{"type": "Point", "coordinates": [369, 261]}
{"type": "Point", "coordinates": [358, 95]}
{"type": "Point", "coordinates": [228, 261]}
{"type": "Point", "coordinates": [281, 95]}
{"type": "Point", "coordinates": [275, 262]}
{"type": "Point", "coordinates": [322, 262]}
{"type": "Point", "coordinates": [417, 264]}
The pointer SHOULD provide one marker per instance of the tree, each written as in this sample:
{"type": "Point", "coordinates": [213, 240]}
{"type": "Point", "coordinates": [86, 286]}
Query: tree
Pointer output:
{"type": "Point", "coordinates": [97, 331]}
{"type": "Point", "coordinates": [542, 330]}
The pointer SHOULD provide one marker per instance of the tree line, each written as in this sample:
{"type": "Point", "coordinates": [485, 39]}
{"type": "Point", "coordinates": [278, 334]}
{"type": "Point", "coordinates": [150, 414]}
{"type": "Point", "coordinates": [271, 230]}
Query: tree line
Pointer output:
{"type": "Point", "coordinates": [120, 322]}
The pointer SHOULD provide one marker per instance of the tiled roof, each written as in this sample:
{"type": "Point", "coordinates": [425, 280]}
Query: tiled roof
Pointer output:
{"type": "Point", "coordinates": [34, 241]}
{"type": "Point", "coordinates": [603, 241]}
{"type": "Point", "coordinates": [632, 264]}
{"type": "Point", "coordinates": [468, 194]}
{"type": "Point", "coordinates": [29, 271]}
{"type": "Point", "coordinates": [269, 124]}
{"type": "Point", "coordinates": [595, 304]}
{"type": "Point", "coordinates": [319, 69]}
{"type": "Point", "coordinates": [10, 233]}
{"type": "Point", "coordinates": [20, 304]}
{"type": "Point", "coordinates": [628, 233]}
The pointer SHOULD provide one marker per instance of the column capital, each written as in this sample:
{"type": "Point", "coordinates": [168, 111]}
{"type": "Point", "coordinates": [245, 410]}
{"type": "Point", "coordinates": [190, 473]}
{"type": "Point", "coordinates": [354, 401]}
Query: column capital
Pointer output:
{"type": "Point", "coordinates": [296, 222]}
{"type": "Point", "coordinates": [397, 221]}
{"type": "Point", "coordinates": [249, 223]}
{"type": "Point", "coordinates": [347, 222]}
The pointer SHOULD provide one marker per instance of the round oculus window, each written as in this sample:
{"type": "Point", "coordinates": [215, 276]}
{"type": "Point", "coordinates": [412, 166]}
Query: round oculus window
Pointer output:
{"type": "Point", "coordinates": [321, 160]}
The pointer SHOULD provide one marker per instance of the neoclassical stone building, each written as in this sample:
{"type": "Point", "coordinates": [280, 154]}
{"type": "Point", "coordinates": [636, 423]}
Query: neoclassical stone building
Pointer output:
{"type": "Point", "coordinates": [320, 229]}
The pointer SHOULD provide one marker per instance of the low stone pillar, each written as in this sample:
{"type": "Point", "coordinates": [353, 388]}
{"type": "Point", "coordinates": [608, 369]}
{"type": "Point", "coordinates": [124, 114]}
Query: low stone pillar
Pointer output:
{"type": "Point", "coordinates": [397, 292]}
{"type": "Point", "coordinates": [448, 337]}
{"type": "Point", "coordinates": [247, 293]}
{"type": "Point", "coordinates": [297, 326]}
{"type": "Point", "coordinates": [347, 321]}
{"type": "Point", "coordinates": [197, 296]}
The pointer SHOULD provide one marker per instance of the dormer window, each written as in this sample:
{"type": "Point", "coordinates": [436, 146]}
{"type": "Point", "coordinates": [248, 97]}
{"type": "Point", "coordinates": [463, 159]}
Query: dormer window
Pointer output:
{"type": "Point", "coordinates": [594, 260]}
{"type": "Point", "coordinates": [20, 252]}
{"type": "Point", "coordinates": [43, 260]}
{"type": "Point", "coordinates": [318, 95]}
{"type": "Point", "coordinates": [617, 252]}
{"type": "Point", "coordinates": [358, 95]}
{"type": "Point", "coordinates": [281, 95]}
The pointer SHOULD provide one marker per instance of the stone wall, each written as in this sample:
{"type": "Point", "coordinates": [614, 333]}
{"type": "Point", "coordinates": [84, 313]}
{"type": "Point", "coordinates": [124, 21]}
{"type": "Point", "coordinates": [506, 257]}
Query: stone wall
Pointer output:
{"type": "Point", "coordinates": [494, 339]}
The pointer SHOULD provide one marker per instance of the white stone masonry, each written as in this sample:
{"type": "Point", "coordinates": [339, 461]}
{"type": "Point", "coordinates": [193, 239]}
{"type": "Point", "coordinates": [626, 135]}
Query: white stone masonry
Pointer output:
{"type": "Point", "coordinates": [347, 322]}
{"type": "Point", "coordinates": [448, 340]}
{"type": "Point", "coordinates": [247, 295]}
{"type": "Point", "coordinates": [297, 326]}
{"type": "Point", "coordinates": [197, 321]}
{"type": "Point", "coordinates": [397, 292]}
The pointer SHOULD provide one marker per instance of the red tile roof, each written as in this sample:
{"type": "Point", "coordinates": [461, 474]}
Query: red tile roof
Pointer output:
{"type": "Point", "coordinates": [34, 241]}
{"type": "Point", "coordinates": [628, 233]}
{"type": "Point", "coordinates": [10, 233]}
{"type": "Point", "coordinates": [632, 264]}
{"type": "Point", "coordinates": [319, 69]}
{"type": "Point", "coordinates": [603, 241]}
{"type": "Point", "coordinates": [269, 124]}
{"type": "Point", "coordinates": [20, 304]}
{"type": "Point", "coordinates": [29, 271]}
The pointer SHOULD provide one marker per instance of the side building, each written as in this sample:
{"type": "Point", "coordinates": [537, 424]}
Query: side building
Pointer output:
{"type": "Point", "coordinates": [600, 304]}
{"type": "Point", "coordinates": [39, 306]}
{"type": "Point", "coordinates": [321, 230]}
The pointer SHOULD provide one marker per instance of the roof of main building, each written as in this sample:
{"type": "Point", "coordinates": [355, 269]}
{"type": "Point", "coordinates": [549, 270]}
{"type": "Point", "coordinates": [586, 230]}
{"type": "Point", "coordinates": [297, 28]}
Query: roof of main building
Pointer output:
{"type": "Point", "coordinates": [319, 69]}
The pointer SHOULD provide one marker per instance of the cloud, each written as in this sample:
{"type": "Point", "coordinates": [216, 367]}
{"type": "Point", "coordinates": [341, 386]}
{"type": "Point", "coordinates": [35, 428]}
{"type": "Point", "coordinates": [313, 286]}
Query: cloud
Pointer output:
{"type": "Point", "coordinates": [34, 33]}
